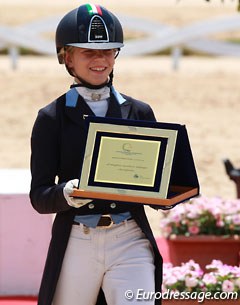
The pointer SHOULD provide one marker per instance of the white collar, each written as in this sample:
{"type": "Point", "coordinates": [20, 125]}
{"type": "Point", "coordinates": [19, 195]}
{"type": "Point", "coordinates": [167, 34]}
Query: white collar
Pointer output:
{"type": "Point", "coordinates": [94, 94]}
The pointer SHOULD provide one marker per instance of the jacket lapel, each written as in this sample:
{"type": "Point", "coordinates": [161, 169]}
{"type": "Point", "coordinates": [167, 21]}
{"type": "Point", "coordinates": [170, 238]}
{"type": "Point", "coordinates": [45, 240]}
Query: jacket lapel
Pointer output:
{"type": "Point", "coordinates": [118, 109]}
{"type": "Point", "coordinates": [114, 110]}
{"type": "Point", "coordinates": [77, 112]}
{"type": "Point", "coordinates": [125, 109]}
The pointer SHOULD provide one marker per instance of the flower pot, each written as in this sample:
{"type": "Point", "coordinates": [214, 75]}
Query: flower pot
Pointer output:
{"type": "Point", "coordinates": [203, 249]}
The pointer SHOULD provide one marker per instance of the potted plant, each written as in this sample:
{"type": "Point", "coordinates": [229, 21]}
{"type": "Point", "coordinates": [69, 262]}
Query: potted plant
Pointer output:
{"type": "Point", "coordinates": [189, 284]}
{"type": "Point", "coordinates": [203, 229]}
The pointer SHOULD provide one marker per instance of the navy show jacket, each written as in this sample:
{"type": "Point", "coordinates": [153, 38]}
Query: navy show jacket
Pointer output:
{"type": "Point", "coordinates": [57, 144]}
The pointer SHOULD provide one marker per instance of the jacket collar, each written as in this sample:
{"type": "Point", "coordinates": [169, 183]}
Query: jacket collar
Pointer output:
{"type": "Point", "coordinates": [76, 107]}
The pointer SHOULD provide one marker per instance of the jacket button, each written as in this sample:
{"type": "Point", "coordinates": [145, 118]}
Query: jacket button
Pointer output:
{"type": "Point", "coordinates": [113, 205]}
{"type": "Point", "coordinates": [91, 206]}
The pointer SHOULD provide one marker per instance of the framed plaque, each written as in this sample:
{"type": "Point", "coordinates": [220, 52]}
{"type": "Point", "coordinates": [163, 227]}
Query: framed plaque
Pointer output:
{"type": "Point", "coordinates": [128, 161]}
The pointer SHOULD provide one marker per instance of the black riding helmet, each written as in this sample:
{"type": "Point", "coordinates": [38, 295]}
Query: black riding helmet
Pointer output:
{"type": "Point", "coordinates": [89, 26]}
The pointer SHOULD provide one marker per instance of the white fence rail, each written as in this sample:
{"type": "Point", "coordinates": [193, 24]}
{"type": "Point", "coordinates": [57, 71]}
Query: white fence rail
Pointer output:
{"type": "Point", "coordinates": [159, 36]}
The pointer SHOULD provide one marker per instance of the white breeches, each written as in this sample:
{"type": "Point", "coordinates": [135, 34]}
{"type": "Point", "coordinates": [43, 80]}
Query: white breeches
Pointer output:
{"type": "Point", "coordinates": [118, 259]}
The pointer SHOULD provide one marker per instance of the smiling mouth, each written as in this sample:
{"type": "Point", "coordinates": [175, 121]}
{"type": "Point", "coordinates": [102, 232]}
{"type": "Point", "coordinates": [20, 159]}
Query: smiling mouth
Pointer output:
{"type": "Point", "coordinates": [98, 69]}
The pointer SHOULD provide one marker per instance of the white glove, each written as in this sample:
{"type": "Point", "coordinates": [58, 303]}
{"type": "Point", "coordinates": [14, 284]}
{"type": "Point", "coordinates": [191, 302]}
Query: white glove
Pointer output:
{"type": "Point", "coordinates": [67, 191]}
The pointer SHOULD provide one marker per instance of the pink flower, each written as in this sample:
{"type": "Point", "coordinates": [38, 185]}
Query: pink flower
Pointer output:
{"type": "Point", "coordinates": [220, 223]}
{"type": "Point", "coordinates": [236, 219]}
{"type": "Point", "coordinates": [215, 264]}
{"type": "Point", "coordinates": [176, 218]}
{"type": "Point", "coordinates": [193, 229]}
{"type": "Point", "coordinates": [171, 280]}
{"type": "Point", "coordinates": [192, 267]}
{"type": "Point", "coordinates": [190, 277]}
{"type": "Point", "coordinates": [227, 286]}
{"type": "Point", "coordinates": [202, 215]}
{"type": "Point", "coordinates": [209, 278]}
{"type": "Point", "coordinates": [193, 214]}
{"type": "Point", "coordinates": [191, 281]}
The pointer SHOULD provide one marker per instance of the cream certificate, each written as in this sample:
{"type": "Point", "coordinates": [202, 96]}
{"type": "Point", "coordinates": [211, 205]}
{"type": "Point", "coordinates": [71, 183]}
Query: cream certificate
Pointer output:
{"type": "Point", "coordinates": [127, 161]}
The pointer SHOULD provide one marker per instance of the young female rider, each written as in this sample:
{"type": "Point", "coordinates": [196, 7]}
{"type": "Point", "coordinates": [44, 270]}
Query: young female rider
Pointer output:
{"type": "Point", "coordinates": [101, 252]}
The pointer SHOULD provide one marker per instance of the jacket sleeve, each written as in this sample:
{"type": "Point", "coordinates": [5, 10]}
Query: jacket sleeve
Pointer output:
{"type": "Point", "coordinates": [46, 196]}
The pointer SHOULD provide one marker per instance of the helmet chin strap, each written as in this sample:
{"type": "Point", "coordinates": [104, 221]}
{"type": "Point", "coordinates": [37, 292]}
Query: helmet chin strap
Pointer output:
{"type": "Point", "coordinates": [83, 83]}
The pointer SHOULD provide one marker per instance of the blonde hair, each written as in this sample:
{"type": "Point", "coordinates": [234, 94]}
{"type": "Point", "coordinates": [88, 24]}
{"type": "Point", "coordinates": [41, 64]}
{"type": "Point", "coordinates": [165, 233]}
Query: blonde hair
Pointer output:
{"type": "Point", "coordinates": [62, 53]}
